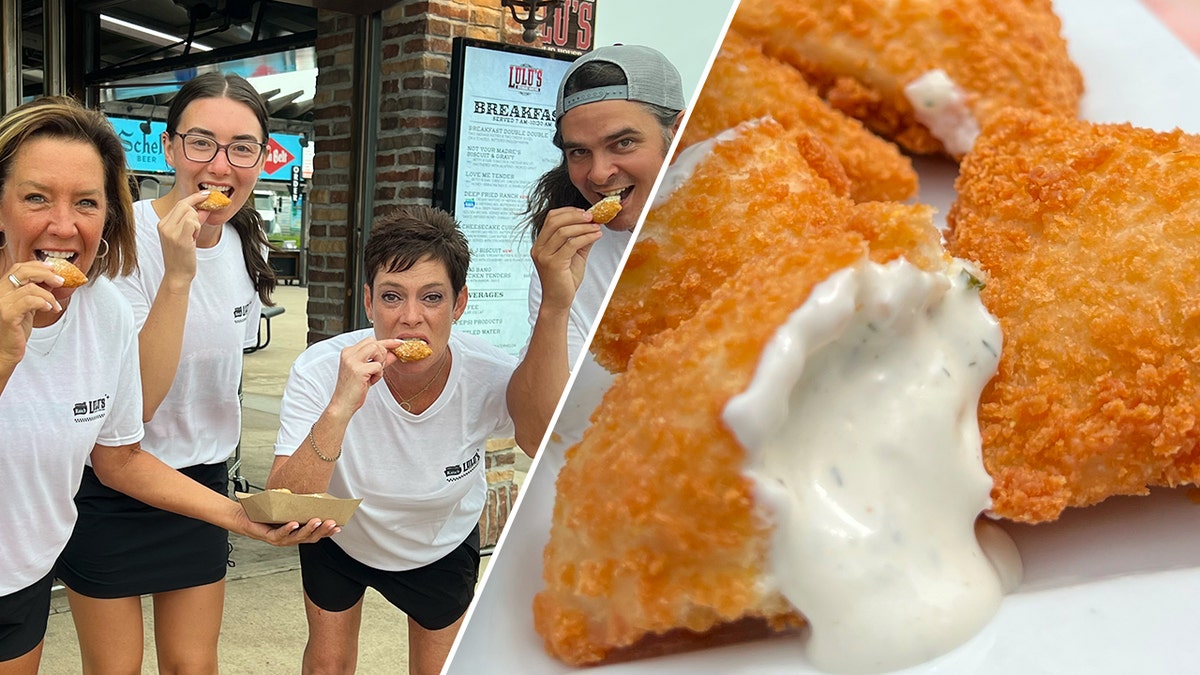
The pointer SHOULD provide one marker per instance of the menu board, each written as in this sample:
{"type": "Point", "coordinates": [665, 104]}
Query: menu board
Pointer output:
{"type": "Point", "coordinates": [499, 142]}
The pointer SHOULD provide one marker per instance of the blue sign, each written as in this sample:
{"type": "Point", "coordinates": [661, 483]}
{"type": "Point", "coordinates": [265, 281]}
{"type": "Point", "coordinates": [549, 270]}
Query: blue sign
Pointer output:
{"type": "Point", "coordinates": [144, 149]}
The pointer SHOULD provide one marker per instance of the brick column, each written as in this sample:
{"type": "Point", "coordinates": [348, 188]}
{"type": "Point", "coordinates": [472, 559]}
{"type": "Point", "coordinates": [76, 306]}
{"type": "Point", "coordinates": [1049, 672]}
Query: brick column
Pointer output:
{"type": "Point", "coordinates": [415, 79]}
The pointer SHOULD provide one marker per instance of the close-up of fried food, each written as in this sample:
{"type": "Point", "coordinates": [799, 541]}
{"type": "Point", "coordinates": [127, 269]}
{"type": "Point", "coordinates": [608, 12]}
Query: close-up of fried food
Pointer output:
{"type": "Point", "coordinates": [744, 84]}
{"type": "Point", "coordinates": [412, 350]}
{"type": "Point", "coordinates": [860, 55]}
{"type": "Point", "coordinates": [216, 200]}
{"type": "Point", "coordinates": [1090, 234]}
{"type": "Point", "coordinates": [606, 209]}
{"type": "Point", "coordinates": [754, 189]}
{"type": "Point", "coordinates": [72, 276]}
{"type": "Point", "coordinates": [676, 540]}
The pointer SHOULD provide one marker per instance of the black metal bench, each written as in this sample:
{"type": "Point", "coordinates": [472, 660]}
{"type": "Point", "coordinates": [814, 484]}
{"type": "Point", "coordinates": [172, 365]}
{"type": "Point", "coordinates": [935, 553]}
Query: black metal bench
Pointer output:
{"type": "Point", "coordinates": [268, 313]}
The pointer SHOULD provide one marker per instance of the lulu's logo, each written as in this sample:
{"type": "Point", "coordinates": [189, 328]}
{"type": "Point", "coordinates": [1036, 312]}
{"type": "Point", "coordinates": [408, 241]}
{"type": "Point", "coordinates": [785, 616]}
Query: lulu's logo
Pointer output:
{"type": "Point", "coordinates": [524, 78]}
{"type": "Point", "coordinates": [86, 411]}
{"type": "Point", "coordinates": [457, 471]}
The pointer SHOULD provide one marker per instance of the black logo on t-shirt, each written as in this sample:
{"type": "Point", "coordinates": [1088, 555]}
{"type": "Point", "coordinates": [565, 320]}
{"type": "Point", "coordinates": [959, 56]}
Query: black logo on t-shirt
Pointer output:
{"type": "Point", "coordinates": [86, 411]}
{"type": "Point", "coordinates": [240, 313]}
{"type": "Point", "coordinates": [457, 471]}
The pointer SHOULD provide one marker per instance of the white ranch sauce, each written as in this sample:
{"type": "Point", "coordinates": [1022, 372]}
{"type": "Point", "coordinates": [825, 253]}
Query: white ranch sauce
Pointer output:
{"type": "Point", "coordinates": [940, 105]}
{"type": "Point", "coordinates": [861, 431]}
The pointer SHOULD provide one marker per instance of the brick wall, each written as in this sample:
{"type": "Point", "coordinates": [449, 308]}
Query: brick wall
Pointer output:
{"type": "Point", "coordinates": [413, 98]}
{"type": "Point", "coordinates": [415, 78]}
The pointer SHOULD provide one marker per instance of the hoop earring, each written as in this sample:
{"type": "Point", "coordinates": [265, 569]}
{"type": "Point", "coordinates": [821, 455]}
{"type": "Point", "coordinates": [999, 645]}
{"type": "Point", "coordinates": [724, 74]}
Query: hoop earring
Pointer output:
{"type": "Point", "coordinates": [3, 240]}
{"type": "Point", "coordinates": [100, 256]}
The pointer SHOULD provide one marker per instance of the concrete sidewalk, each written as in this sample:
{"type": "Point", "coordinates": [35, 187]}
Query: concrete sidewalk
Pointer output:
{"type": "Point", "coordinates": [264, 630]}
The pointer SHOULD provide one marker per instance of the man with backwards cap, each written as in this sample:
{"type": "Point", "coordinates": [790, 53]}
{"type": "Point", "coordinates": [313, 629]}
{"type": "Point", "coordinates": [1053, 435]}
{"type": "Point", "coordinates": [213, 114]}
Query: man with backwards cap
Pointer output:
{"type": "Point", "coordinates": [618, 109]}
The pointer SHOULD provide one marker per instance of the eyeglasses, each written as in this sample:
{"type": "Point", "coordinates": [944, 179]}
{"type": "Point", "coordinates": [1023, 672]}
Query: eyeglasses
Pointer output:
{"type": "Point", "coordinates": [242, 154]}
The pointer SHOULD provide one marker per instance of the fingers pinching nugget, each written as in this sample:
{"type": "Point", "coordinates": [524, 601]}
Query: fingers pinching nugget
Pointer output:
{"type": "Point", "coordinates": [412, 350]}
{"type": "Point", "coordinates": [606, 209]}
{"type": "Point", "coordinates": [216, 200]}
{"type": "Point", "coordinates": [962, 61]}
{"type": "Point", "coordinates": [1090, 236]}
{"type": "Point", "coordinates": [72, 276]}
{"type": "Point", "coordinates": [875, 168]}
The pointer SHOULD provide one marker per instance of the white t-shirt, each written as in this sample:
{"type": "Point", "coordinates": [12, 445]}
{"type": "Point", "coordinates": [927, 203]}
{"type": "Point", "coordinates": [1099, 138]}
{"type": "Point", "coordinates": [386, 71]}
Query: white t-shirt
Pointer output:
{"type": "Point", "coordinates": [421, 478]}
{"type": "Point", "coordinates": [78, 386]}
{"type": "Point", "coordinates": [200, 420]}
{"type": "Point", "coordinates": [602, 263]}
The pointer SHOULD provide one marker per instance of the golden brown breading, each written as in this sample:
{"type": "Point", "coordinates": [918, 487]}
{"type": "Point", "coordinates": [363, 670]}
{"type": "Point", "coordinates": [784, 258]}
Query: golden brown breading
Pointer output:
{"type": "Point", "coordinates": [412, 350]}
{"type": "Point", "coordinates": [860, 54]}
{"type": "Point", "coordinates": [216, 201]}
{"type": "Point", "coordinates": [1091, 237]}
{"type": "Point", "coordinates": [72, 275]}
{"type": "Point", "coordinates": [606, 209]}
{"type": "Point", "coordinates": [675, 540]}
{"type": "Point", "coordinates": [756, 184]}
{"type": "Point", "coordinates": [745, 84]}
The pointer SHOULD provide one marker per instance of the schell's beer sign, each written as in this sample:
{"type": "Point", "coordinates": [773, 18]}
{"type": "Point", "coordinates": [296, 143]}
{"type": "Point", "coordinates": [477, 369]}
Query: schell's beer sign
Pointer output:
{"type": "Point", "coordinates": [144, 150]}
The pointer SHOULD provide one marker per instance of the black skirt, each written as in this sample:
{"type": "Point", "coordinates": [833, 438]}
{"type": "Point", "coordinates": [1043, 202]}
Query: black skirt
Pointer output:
{"type": "Point", "coordinates": [122, 547]}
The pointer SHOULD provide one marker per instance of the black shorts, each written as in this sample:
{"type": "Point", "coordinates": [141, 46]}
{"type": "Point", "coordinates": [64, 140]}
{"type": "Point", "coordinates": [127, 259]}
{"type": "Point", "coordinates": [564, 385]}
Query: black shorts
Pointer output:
{"type": "Point", "coordinates": [23, 618]}
{"type": "Point", "coordinates": [123, 548]}
{"type": "Point", "coordinates": [434, 596]}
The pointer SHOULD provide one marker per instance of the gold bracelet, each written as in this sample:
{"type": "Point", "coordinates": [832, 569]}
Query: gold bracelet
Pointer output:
{"type": "Point", "coordinates": [313, 442]}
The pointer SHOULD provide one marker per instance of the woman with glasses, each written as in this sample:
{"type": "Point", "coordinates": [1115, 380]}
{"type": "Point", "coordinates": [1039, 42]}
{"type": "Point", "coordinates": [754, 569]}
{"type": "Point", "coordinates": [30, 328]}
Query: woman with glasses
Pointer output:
{"type": "Point", "coordinates": [201, 279]}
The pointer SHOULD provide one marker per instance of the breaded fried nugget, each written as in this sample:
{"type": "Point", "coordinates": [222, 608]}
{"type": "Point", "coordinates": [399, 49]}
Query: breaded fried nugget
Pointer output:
{"type": "Point", "coordinates": [757, 188]}
{"type": "Point", "coordinates": [412, 350]}
{"type": "Point", "coordinates": [861, 54]}
{"type": "Point", "coordinates": [675, 540]}
{"type": "Point", "coordinates": [72, 276]}
{"type": "Point", "coordinates": [745, 84]}
{"type": "Point", "coordinates": [1091, 237]}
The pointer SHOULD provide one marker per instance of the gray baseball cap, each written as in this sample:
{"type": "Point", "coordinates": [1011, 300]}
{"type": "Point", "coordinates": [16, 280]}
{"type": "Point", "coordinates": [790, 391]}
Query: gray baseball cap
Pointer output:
{"type": "Point", "coordinates": [650, 78]}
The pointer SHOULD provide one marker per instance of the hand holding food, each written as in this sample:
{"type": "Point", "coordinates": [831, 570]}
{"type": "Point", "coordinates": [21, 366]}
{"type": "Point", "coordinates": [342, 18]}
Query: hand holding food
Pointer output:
{"type": "Point", "coordinates": [22, 295]}
{"type": "Point", "coordinates": [560, 254]}
{"type": "Point", "coordinates": [360, 367]}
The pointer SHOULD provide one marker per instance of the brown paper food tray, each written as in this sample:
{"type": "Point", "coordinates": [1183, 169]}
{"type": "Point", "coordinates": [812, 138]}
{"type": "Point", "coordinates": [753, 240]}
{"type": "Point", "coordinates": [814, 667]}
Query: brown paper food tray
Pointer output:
{"type": "Point", "coordinates": [283, 507]}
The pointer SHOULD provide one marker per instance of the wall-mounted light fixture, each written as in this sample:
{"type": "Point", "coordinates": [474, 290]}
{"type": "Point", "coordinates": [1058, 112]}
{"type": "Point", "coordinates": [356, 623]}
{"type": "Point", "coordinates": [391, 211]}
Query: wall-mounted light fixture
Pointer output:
{"type": "Point", "coordinates": [532, 21]}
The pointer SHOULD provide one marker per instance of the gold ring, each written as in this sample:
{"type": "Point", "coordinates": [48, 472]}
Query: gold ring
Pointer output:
{"type": "Point", "coordinates": [12, 278]}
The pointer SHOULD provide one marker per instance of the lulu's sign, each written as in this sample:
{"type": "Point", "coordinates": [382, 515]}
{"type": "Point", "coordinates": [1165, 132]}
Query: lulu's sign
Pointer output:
{"type": "Point", "coordinates": [571, 27]}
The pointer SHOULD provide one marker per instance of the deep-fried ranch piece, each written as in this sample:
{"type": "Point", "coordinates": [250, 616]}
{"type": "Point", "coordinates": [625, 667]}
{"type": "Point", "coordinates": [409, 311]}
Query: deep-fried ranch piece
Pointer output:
{"type": "Point", "coordinates": [744, 84]}
{"type": "Point", "coordinates": [216, 200]}
{"type": "Point", "coordinates": [962, 61]}
{"type": "Point", "coordinates": [72, 276]}
{"type": "Point", "coordinates": [606, 209]}
{"type": "Point", "coordinates": [412, 350]}
{"type": "Point", "coordinates": [746, 192]}
{"type": "Point", "coordinates": [1091, 237]}
{"type": "Point", "coordinates": [676, 543]}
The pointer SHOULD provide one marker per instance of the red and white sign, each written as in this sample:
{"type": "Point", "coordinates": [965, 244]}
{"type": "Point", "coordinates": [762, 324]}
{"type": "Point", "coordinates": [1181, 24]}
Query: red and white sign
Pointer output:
{"type": "Point", "coordinates": [277, 157]}
{"type": "Point", "coordinates": [570, 27]}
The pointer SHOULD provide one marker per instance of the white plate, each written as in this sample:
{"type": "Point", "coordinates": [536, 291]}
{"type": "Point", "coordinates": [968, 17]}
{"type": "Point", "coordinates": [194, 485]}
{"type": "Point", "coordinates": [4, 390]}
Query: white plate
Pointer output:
{"type": "Point", "coordinates": [1107, 590]}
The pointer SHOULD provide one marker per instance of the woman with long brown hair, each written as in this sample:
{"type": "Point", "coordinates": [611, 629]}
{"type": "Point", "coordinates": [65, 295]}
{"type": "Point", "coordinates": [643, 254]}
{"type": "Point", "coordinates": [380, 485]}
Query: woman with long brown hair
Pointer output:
{"type": "Point", "coordinates": [201, 279]}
